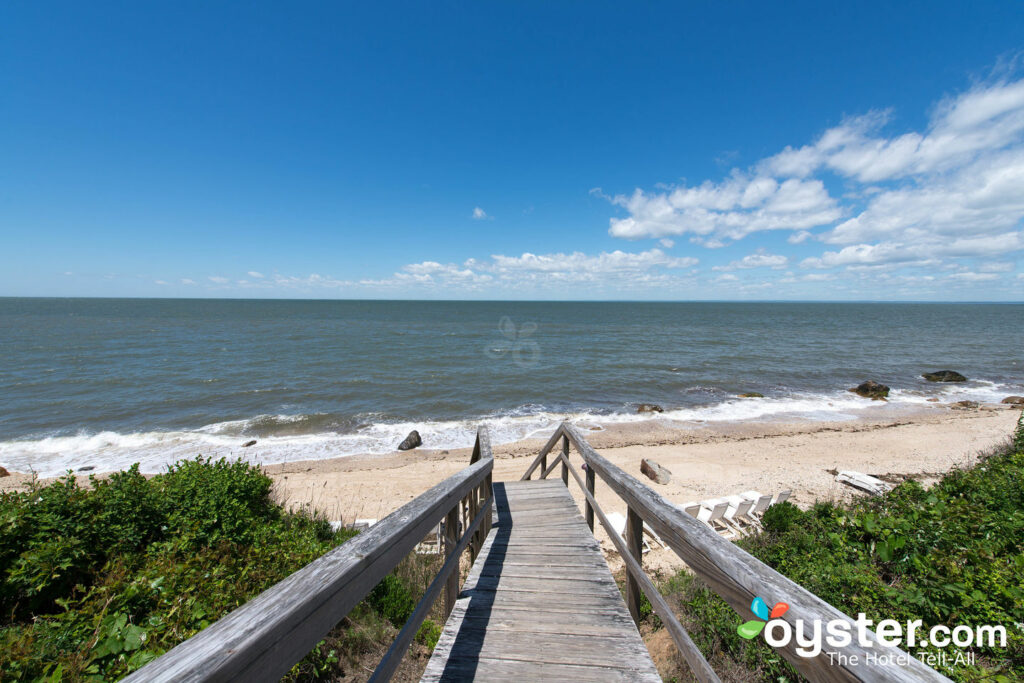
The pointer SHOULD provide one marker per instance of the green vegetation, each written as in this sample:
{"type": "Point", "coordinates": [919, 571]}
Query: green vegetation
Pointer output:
{"type": "Point", "coordinates": [952, 554]}
{"type": "Point", "coordinates": [97, 580]}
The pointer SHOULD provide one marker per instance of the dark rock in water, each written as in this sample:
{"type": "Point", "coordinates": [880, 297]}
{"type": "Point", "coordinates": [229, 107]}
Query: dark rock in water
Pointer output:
{"type": "Point", "coordinates": [655, 471]}
{"type": "Point", "coordinates": [872, 390]}
{"type": "Point", "coordinates": [944, 376]}
{"type": "Point", "coordinates": [1014, 400]}
{"type": "Point", "coordinates": [751, 394]}
{"type": "Point", "coordinates": [649, 408]}
{"type": "Point", "coordinates": [249, 443]}
{"type": "Point", "coordinates": [411, 441]}
{"type": "Point", "coordinates": [87, 468]}
{"type": "Point", "coordinates": [933, 400]}
{"type": "Point", "coordinates": [4, 473]}
{"type": "Point", "coordinates": [964, 405]}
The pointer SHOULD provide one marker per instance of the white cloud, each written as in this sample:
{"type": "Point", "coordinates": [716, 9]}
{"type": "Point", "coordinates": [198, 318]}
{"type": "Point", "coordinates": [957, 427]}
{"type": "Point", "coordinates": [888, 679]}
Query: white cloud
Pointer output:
{"type": "Point", "coordinates": [217, 279]}
{"type": "Point", "coordinates": [927, 251]}
{"type": "Point", "coordinates": [729, 210]}
{"type": "Point", "coordinates": [479, 214]}
{"type": "Point", "coordinates": [954, 190]}
{"type": "Point", "coordinates": [160, 282]}
{"type": "Point", "coordinates": [996, 267]}
{"type": "Point", "coordinates": [187, 281]}
{"type": "Point", "coordinates": [500, 272]}
{"type": "Point", "coordinates": [759, 259]}
{"type": "Point", "coordinates": [973, 277]}
{"type": "Point", "coordinates": [256, 274]}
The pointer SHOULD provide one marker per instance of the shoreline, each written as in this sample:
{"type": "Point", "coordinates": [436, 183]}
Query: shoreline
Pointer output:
{"type": "Point", "coordinates": [711, 461]}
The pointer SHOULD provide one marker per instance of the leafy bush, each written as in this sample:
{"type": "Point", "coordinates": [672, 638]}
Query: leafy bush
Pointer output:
{"type": "Point", "coordinates": [96, 581]}
{"type": "Point", "coordinates": [779, 518]}
{"type": "Point", "coordinates": [429, 634]}
{"type": "Point", "coordinates": [392, 600]}
{"type": "Point", "coordinates": [952, 554]}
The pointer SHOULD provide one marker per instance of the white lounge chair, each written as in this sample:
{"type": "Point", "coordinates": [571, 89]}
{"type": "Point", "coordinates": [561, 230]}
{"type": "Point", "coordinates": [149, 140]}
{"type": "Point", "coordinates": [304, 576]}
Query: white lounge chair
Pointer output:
{"type": "Point", "coordinates": [738, 513]}
{"type": "Point", "coordinates": [741, 509]}
{"type": "Point", "coordinates": [735, 514]}
{"type": "Point", "coordinates": [618, 523]}
{"type": "Point", "coordinates": [761, 503]}
{"type": "Point", "coordinates": [690, 508]}
{"type": "Point", "coordinates": [782, 497]}
{"type": "Point", "coordinates": [712, 513]}
{"type": "Point", "coordinates": [864, 482]}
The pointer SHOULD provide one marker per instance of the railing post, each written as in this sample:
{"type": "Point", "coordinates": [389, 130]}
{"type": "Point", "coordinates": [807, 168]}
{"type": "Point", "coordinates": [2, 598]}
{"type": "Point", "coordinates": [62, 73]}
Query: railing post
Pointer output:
{"type": "Point", "coordinates": [590, 508]}
{"type": "Point", "coordinates": [634, 541]}
{"type": "Point", "coordinates": [543, 466]}
{"type": "Point", "coordinates": [489, 501]}
{"type": "Point", "coordinates": [474, 507]}
{"type": "Point", "coordinates": [451, 539]}
{"type": "Point", "coordinates": [565, 466]}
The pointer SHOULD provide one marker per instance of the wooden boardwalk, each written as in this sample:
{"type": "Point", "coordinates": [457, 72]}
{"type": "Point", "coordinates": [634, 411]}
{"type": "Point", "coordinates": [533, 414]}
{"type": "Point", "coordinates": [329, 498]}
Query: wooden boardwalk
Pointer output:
{"type": "Point", "coordinates": [540, 602]}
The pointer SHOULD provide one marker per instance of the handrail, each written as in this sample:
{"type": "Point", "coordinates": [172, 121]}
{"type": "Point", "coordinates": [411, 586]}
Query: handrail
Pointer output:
{"type": "Point", "coordinates": [732, 573]}
{"type": "Point", "coordinates": [265, 637]}
{"type": "Point", "coordinates": [701, 669]}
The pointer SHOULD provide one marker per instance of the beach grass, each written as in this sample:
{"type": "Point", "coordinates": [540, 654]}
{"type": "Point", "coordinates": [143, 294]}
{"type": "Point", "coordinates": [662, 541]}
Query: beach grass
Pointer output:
{"type": "Point", "coordinates": [951, 554]}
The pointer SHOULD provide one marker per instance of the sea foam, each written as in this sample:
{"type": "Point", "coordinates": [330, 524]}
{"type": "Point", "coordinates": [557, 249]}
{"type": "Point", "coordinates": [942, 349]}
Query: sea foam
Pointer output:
{"type": "Point", "coordinates": [288, 438]}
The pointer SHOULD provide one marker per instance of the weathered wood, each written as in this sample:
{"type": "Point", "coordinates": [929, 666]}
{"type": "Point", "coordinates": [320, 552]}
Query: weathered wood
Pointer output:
{"type": "Point", "coordinates": [699, 666]}
{"type": "Point", "coordinates": [590, 508]}
{"type": "Point", "coordinates": [393, 657]}
{"type": "Point", "coordinates": [550, 468]}
{"type": "Point", "coordinates": [262, 639]}
{"type": "Point", "coordinates": [565, 460]}
{"type": "Point", "coordinates": [635, 546]}
{"type": "Point", "coordinates": [542, 457]}
{"type": "Point", "coordinates": [451, 590]}
{"type": "Point", "coordinates": [532, 614]}
{"type": "Point", "coordinates": [738, 578]}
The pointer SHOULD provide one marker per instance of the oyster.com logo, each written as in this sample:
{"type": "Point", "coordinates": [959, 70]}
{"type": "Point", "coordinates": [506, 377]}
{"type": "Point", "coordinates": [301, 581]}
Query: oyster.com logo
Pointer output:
{"type": "Point", "coordinates": [759, 607]}
{"type": "Point", "coordinates": [811, 637]}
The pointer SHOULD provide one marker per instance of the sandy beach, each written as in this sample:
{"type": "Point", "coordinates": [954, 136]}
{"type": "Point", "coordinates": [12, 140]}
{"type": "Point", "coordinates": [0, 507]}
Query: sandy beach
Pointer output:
{"type": "Point", "coordinates": [705, 462]}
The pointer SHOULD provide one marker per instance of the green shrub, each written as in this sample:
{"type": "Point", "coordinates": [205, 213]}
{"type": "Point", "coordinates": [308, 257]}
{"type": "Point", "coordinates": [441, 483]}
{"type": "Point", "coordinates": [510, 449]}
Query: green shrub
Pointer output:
{"type": "Point", "coordinates": [97, 580]}
{"type": "Point", "coordinates": [392, 599]}
{"type": "Point", "coordinates": [779, 518]}
{"type": "Point", "coordinates": [951, 555]}
{"type": "Point", "coordinates": [428, 634]}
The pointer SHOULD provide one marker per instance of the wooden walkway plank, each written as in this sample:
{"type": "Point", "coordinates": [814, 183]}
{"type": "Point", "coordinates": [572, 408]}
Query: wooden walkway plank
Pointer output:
{"type": "Point", "coordinates": [540, 602]}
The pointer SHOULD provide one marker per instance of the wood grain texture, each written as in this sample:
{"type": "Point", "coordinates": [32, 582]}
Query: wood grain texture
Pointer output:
{"type": "Point", "coordinates": [738, 578]}
{"type": "Point", "coordinates": [530, 613]}
{"type": "Point", "coordinates": [699, 666]}
{"type": "Point", "coordinates": [264, 638]}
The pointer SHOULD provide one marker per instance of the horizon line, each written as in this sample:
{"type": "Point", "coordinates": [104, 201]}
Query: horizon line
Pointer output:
{"type": "Point", "coordinates": [526, 301]}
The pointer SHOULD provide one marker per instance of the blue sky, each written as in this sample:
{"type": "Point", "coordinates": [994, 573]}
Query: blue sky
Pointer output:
{"type": "Point", "coordinates": [512, 150]}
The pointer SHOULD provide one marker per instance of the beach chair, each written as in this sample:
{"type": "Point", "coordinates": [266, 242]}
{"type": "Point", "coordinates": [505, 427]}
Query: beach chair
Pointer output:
{"type": "Point", "coordinates": [712, 513]}
{"type": "Point", "coordinates": [654, 537]}
{"type": "Point", "coordinates": [735, 511]}
{"type": "Point", "coordinates": [761, 503]}
{"type": "Point", "coordinates": [782, 497]}
{"type": "Point", "coordinates": [690, 508]}
{"type": "Point", "coordinates": [618, 523]}
{"type": "Point", "coordinates": [738, 514]}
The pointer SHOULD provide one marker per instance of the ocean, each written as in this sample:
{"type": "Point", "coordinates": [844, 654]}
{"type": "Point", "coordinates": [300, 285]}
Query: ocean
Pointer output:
{"type": "Point", "coordinates": [104, 383]}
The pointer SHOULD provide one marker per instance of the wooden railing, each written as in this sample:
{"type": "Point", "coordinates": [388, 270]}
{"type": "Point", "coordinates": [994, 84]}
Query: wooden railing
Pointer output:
{"type": "Point", "coordinates": [264, 638]}
{"type": "Point", "coordinates": [728, 570]}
